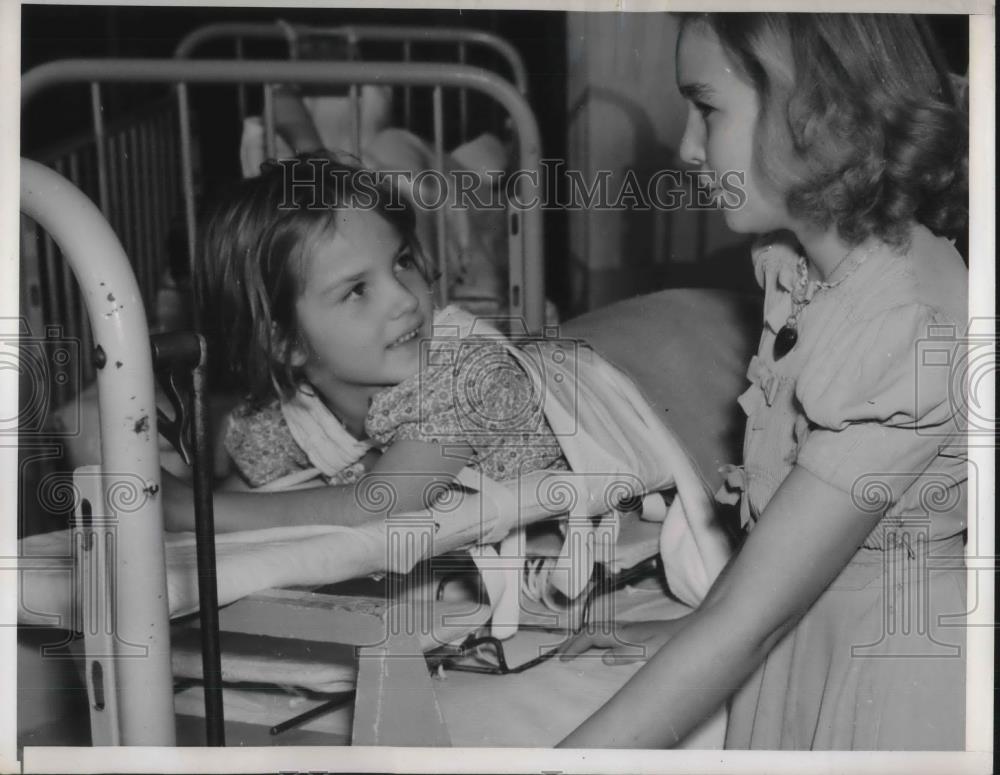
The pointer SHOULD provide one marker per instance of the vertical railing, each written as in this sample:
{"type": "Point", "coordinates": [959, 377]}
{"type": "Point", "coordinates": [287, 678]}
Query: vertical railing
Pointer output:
{"type": "Point", "coordinates": [130, 168]}
{"type": "Point", "coordinates": [129, 454]}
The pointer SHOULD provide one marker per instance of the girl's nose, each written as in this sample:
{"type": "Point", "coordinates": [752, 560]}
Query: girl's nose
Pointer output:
{"type": "Point", "coordinates": [406, 300]}
{"type": "Point", "coordinates": [692, 150]}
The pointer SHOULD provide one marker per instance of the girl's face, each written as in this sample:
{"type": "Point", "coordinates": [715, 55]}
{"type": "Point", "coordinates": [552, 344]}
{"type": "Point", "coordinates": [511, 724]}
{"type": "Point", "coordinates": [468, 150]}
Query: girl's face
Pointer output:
{"type": "Point", "coordinates": [363, 309]}
{"type": "Point", "coordinates": [718, 136]}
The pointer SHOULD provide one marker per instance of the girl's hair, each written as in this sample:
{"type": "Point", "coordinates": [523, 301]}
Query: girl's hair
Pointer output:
{"type": "Point", "coordinates": [252, 259]}
{"type": "Point", "coordinates": [859, 124]}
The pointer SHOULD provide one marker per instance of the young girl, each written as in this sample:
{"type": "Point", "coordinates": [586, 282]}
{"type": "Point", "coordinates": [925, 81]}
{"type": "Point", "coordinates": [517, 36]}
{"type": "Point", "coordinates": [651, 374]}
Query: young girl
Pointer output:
{"type": "Point", "coordinates": [318, 311]}
{"type": "Point", "coordinates": [829, 629]}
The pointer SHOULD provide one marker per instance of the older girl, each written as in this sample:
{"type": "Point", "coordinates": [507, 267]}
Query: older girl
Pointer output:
{"type": "Point", "coordinates": [829, 629]}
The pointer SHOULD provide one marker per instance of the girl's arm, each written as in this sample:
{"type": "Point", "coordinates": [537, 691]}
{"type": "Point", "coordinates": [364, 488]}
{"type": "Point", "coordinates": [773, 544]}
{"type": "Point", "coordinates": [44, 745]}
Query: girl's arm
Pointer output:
{"type": "Point", "coordinates": [806, 536]}
{"type": "Point", "coordinates": [416, 472]}
{"type": "Point", "coordinates": [411, 469]}
{"type": "Point", "coordinates": [235, 510]}
{"type": "Point", "coordinates": [294, 123]}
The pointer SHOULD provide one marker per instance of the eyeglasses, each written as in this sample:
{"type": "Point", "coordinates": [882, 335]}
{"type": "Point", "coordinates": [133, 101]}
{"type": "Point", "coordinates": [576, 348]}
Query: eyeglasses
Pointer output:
{"type": "Point", "coordinates": [485, 654]}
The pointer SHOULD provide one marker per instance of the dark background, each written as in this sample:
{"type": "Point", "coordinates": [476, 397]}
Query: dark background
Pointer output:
{"type": "Point", "coordinates": [52, 32]}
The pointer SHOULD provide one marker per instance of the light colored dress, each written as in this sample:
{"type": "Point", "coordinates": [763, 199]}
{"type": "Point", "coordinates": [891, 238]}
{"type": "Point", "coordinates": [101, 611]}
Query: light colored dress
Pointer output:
{"type": "Point", "coordinates": [867, 400]}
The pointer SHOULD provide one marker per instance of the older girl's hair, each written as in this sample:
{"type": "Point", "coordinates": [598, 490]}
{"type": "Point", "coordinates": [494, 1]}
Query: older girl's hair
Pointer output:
{"type": "Point", "coordinates": [251, 265]}
{"type": "Point", "coordinates": [859, 125]}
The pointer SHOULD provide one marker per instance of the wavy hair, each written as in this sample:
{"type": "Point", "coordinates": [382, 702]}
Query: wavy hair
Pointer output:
{"type": "Point", "coordinates": [860, 126]}
{"type": "Point", "coordinates": [251, 262]}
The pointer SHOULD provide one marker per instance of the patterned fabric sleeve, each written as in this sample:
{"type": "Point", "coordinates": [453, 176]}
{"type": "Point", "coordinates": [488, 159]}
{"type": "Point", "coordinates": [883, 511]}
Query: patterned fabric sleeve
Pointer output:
{"type": "Point", "coordinates": [471, 392]}
{"type": "Point", "coordinates": [261, 445]}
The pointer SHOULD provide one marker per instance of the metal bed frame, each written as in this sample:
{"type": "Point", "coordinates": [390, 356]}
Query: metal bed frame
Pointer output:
{"type": "Point", "coordinates": [142, 212]}
{"type": "Point", "coordinates": [524, 226]}
{"type": "Point", "coordinates": [142, 709]}
{"type": "Point", "coordinates": [352, 35]}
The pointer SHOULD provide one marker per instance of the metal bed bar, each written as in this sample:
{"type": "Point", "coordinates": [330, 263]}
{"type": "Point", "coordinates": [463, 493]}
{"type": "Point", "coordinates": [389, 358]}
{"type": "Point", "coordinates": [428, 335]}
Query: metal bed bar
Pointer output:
{"type": "Point", "coordinates": [358, 33]}
{"type": "Point", "coordinates": [526, 292]}
{"type": "Point", "coordinates": [129, 452]}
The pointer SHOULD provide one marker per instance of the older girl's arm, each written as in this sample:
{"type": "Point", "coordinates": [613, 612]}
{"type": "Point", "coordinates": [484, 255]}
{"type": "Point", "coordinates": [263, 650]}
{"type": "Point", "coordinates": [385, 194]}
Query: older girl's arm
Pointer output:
{"type": "Point", "coordinates": [806, 536]}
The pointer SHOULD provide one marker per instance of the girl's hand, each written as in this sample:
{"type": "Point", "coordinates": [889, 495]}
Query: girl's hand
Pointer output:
{"type": "Point", "coordinates": [627, 643]}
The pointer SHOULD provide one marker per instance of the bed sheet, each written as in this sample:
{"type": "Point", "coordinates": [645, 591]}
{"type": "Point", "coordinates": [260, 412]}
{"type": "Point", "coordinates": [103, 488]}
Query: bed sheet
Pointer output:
{"type": "Point", "coordinates": [539, 707]}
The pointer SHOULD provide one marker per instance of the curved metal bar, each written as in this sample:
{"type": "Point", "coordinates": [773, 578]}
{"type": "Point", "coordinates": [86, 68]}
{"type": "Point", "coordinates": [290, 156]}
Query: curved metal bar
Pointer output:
{"type": "Point", "coordinates": [129, 446]}
{"type": "Point", "coordinates": [527, 294]}
{"type": "Point", "coordinates": [244, 30]}
{"type": "Point", "coordinates": [400, 33]}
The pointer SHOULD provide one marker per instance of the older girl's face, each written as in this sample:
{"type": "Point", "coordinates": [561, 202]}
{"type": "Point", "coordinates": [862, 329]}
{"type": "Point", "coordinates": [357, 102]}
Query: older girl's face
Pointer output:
{"type": "Point", "coordinates": [718, 136]}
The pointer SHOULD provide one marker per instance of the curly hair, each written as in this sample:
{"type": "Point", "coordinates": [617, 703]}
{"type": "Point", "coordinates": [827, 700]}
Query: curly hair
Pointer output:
{"type": "Point", "coordinates": [251, 258]}
{"type": "Point", "coordinates": [859, 127]}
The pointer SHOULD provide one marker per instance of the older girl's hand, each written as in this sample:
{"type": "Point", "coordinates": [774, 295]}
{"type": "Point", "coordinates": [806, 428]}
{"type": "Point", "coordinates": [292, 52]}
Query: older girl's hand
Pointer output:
{"type": "Point", "coordinates": [627, 643]}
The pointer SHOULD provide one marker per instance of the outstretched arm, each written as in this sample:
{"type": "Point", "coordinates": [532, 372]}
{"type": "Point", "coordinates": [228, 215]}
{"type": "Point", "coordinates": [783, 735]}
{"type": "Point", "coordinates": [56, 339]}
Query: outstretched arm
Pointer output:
{"type": "Point", "coordinates": [294, 123]}
{"type": "Point", "coordinates": [806, 536]}
{"type": "Point", "coordinates": [412, 470]}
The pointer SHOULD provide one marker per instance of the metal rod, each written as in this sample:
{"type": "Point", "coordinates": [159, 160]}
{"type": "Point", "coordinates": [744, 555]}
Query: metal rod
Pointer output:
{"type": "Point", "coordinates": [270, 138]}
{"type": "Point", "coordinates": [204, 517]}
{"type": "Point", "coordinates": [143, 227]}
{"type": "Point", "coordinates": [146, 212]}
{"type": "Point", "coordinates": [187, 185]}
{"type": "Point", "coordinates": [463, 101]}
{"type": "Point", "coordinates": [407, 91]}
{"type": "Point", "coordinates": [125, 184]}
{"type": "Point", "coordinates": [102, 157]}
{"type": "Point", "coordinates": [352, 48]}
{"type": "Point", "coordinates": [335, 702]}
{"type": "Point", "coordinates": [241, 90]}
{"type": "Point", "coordinates": [439, 213]}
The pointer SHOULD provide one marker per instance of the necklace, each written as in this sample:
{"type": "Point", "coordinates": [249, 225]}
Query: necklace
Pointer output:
{"type": "Point", "coordinates": [788, 336]}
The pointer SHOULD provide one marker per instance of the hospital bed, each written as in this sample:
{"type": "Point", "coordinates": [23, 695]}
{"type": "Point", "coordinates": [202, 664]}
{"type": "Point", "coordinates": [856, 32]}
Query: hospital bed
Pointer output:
{"type": "Point", "coordinates": [525, 240]}
{"type": "Point", "coordinates": [143, 618]}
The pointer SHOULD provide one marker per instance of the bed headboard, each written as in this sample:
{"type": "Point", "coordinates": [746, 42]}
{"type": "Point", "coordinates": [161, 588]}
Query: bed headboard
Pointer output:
{"type": "Point", "coordinates": [526, 279]}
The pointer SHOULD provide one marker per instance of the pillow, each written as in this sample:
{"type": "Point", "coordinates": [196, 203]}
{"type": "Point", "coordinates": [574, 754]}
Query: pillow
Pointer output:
{"type": "Point", "coordinates": [687, 350]}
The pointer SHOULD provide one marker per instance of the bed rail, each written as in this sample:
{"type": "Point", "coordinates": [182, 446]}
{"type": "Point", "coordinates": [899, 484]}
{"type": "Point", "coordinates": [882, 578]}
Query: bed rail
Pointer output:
{"type": "Point", "coordinates": [138, 199]}
{"type": "Point", "coordinates": [526, 291]}
{"type": "Point", "coordinates": [129, 452]}
{"type": "Point", "coordinates": [238, 32]}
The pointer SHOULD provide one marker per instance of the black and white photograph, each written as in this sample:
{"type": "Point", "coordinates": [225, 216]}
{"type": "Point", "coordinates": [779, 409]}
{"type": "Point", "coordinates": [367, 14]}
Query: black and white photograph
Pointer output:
{"type": "Point", "coordinates": [496, 388]}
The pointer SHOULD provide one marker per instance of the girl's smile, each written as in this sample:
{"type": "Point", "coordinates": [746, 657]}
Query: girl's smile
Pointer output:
{"type": "Point", "coordinates": [363, 309]}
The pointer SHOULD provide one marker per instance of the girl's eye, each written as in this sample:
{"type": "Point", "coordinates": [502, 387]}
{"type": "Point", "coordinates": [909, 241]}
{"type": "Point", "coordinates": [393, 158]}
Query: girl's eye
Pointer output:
{"type": "Point", "coordinates": [356, 292]}
{"type": "Point", "coordinates": [704, 109]}
{"type": "Point", "coordinates": [406, 261]}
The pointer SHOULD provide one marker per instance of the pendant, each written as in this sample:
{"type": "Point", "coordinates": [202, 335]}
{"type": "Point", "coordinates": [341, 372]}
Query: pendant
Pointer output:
{"type": "Point", "coordinates": [785, 341]}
